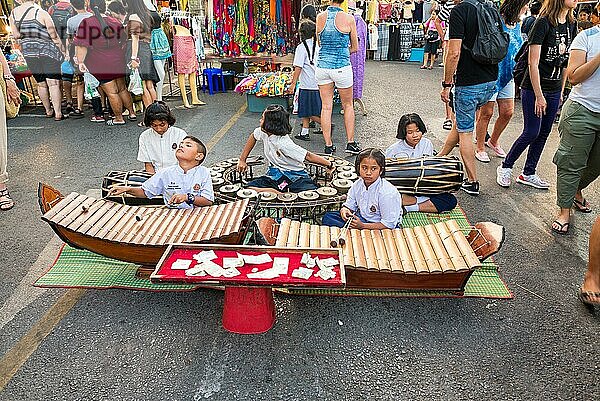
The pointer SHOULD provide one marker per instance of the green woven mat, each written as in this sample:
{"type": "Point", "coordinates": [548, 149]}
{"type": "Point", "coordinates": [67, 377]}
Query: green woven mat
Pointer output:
{"type": "Point", "coordinates": [80, 268]}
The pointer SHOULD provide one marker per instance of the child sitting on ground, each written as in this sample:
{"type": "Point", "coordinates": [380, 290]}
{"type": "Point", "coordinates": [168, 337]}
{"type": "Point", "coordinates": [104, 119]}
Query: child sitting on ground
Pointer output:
{"type": "Point", "coordinates": [157, 144]}
{"type": "Point", "coordinates": [182, 186]}
{"type": "Point", "coordinates": [412, 145]}
{"type": "Point", "coordinates": [287, 172]}
{"type": "Point", "coordinates": [372, 202]}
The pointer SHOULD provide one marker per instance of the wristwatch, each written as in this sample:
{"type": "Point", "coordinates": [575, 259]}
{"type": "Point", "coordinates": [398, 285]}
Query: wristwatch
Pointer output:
{"type": "Point", "coordinates": [190, 199]}
{"type": "Point", "coordinates": [445, 85]}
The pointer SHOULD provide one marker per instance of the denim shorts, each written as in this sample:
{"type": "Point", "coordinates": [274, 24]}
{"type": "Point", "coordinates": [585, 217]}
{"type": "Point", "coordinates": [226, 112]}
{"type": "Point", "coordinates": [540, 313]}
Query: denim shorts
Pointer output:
{"type": "Point", "coordinates": [508, 92]}
{"type": "Point", "coordinates": [467, 99]}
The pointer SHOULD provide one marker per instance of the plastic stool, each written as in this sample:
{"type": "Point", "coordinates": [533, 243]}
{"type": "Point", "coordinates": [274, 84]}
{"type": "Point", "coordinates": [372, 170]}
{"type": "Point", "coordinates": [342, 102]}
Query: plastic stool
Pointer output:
{"type": "Point", "coordinates": [210, 78]}
{"type": "Point", "coordinates": [248, 310]}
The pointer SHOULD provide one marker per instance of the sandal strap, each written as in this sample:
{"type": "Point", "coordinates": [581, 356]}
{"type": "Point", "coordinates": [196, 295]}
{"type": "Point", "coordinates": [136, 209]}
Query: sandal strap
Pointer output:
{"type": "Point", "coordinates": [4, 192]}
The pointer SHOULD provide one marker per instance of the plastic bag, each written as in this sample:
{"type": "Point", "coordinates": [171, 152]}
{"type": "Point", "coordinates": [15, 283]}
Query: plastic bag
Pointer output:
{"type": "Point", "coordinates": [135, 82]}
{"type": "Point", "coordinates": [66, 68]}
{"type": "Point", "coordinates": [16, 62]}
{"type": "Point", "coordinates": [91, 86]}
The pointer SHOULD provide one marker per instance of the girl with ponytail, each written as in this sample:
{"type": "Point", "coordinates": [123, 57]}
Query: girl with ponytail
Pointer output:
{"type": "Point", "coordinates": [305, 60]}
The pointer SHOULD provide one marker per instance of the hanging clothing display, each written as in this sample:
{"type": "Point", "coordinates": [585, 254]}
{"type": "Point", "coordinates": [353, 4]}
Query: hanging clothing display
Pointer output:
{"type": "Point", "coordinates": [373, 37]}
{"type": "Point", "coordinates": [358, 58]}
{"type": "Point", "coordinates": [418, 13]}
{"type": "Point", "coordinates": [383, 44]}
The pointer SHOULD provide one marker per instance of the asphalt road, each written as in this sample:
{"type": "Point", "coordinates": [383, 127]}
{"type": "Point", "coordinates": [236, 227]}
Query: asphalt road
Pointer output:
{"type": "Point", "coordinates": [128, 345]}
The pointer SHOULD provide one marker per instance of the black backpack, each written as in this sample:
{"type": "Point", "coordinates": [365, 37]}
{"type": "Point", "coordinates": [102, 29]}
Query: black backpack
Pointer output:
{"type": "Point", "coordinates": [60, 16]}
{"type": "Point", "coordinates": [491, 43]}
{"type": "Point", "coordinates": [521, 67]}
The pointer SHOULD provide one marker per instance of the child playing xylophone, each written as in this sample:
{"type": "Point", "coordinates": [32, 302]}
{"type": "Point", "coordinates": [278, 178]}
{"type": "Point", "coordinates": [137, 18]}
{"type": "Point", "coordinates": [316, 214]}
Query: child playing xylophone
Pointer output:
{"type": "Point", "coordinates": [372, 202]}
{"type": "Point", "coordinates": [182, 186]}
{"type": "Point", "coordinates": [412, 145]}
{"type": "Point", "coordinates": [287, 172]}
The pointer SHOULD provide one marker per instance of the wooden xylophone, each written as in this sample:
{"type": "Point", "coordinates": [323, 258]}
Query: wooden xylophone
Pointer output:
{"type": "Point", "coordinates": [432, 257]}
{"type": "Point", "coordinates": [139, 234]}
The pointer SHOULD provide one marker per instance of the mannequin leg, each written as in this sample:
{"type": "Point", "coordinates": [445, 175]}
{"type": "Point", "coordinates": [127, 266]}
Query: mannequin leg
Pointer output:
{"type": "Point", "coordinates": [194, 90]}
{"type": "Point", "coordinates": [160, 69]}
{"type": "Point", "coordinates": [181, 79]}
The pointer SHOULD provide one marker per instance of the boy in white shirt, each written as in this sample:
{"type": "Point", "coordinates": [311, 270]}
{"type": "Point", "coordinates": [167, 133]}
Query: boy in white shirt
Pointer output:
{"type": "Point", "coordinates": [157, 144]}
{"type": "Point", "coordinates": [182, 186]}
{"type": "Point", "coordinates": [287, 172]}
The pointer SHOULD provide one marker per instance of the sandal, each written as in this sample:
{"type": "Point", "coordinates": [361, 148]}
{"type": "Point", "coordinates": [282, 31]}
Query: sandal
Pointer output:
{"type": "Point", "coordinates": [112, 123]}
{"type": "Point", "coordinates": [563, 228]}
{"type": "Point", "coordinates": [447, 124]}
{"type": "Point", "coordinates": [423, 67]}
{"type": "Point", "coordinates": [141, 124]}
{"type": "Point", "coordinates": [132, 117]}
{"type": "Point", "coordinates": [77, 113]}
{"type": "Point", "coordinates": [582, 206]}
{"type": "Point", "coordinates": [63, 117]}
{"type": "Point", "coordinates": [7, 203]}
{"type": "Point", "coordinates": [305, 137]}
{"type": "Point", "coordinates": [589, 297]}
{"type": "Point", "coordinates": [50, 115]}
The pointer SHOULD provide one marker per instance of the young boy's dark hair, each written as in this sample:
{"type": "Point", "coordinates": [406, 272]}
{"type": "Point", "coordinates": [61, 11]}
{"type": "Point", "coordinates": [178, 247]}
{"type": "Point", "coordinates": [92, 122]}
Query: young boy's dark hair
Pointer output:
{"type": "Point", "coordinates": [158, 111]}
{"type": "Point", "coordinates": [276, 121]}
{"type": "Point", "coordinates": [410, 118]}
{"type": "Point", "coordinates": [535, 7]}
{"type": "Point", "coordinates": [78, 4]}
{"type": "Point", "coordinates": [371, 153]}
{"type": "Point", "coordinates": [200, 145]}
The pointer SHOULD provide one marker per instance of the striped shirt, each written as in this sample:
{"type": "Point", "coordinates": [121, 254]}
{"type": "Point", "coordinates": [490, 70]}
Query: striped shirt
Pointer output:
{"type": "Point", "coordinates": [444, 14]}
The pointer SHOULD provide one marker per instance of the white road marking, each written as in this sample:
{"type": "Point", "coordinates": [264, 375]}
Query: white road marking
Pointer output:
{"type": "Point", "coordinates": [25, 293]}
{"type": "Point", "coordinates": [26, 128]}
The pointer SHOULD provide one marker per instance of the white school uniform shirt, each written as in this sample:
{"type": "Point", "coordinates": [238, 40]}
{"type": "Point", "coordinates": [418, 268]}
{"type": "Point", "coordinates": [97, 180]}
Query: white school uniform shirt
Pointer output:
{"type": "Point", "coordinates": [160, 149]}
{"type": "Point", "coordinates": [281, 151]}
{"type": "Point", "coordinates": [402, 150]}
{"type": "Point", "coordinates": [173, 180]}
{"type": "Point", "coordinates": [301, 59]}
{"type": "Point", "coordinates": [380, 203]}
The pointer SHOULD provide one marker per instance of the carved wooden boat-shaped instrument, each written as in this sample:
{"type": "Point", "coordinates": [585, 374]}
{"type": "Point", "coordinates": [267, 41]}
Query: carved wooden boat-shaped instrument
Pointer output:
{"type": "Point", "coordinates": [139, 234]}
{"type": "Point", "coordinates": [433, 257]}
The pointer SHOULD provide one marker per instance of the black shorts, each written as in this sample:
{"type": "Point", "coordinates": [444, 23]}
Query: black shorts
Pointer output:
{"type": "Point", "coordinates": [43, 68]}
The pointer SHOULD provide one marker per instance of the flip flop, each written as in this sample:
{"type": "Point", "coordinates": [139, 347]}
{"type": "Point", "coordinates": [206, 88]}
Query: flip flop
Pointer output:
{"type": "Point", "coordinates": [8, 203]}
{"type": "Point", "coordinates": [63, 117]}
{"type": "Point", "coordinates": [587, 297]}
{"type": "Point", "coordinates": [563, 228]}
{"type": "Point", "coordinates": [583, 207]}
{"type": "Point", "coordinates": [447, 124]}
{"type": "Point", "coordinates": [112, 123]}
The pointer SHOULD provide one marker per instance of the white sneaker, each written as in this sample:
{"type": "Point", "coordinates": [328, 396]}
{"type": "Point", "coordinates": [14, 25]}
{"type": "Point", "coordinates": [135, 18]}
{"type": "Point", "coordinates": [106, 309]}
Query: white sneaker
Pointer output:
{"type": "Point", "coordinates": [503, 176]}
{"type": "Point", "coordinates": [482, 157]}
{"type": "Point", "coordinates": [533, 181]}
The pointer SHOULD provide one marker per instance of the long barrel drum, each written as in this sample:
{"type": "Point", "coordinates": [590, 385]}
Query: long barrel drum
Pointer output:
{"type": "Point", "coordinates": [436, 256]}
{"type": "Point", "coordinates": [425, 176]}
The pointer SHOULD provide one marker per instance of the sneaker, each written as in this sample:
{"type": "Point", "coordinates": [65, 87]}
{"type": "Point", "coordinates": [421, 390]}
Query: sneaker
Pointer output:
{"type": "Point", "coordinates": [353, 148]}
{"type": "Point", "coordinates": [472, 188]}
{"type": "Point", "coordinates": [497, 149]}
{"type": "Point", "coordinates": [302, 137]}
{"type": "Point", "coordinates": [533, 180]}
{"type": "Point", "coordinates": [482, 157]}
{"type": "Point", "coordinates": [503, 176]}
{"type": "Point", "coordinates": [329, 150]}
{"type": "Point", "coordinates": [97, 119]}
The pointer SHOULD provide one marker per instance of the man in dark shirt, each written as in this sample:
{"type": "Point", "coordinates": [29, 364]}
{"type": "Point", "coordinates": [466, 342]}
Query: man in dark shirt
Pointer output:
{"type": "Point", "coordinates": [474, 85]}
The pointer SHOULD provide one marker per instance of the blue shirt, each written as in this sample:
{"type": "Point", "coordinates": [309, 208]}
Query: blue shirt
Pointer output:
{"type": "Point", "coordinates": [334, 52]}
{"type": "Point", "coordinates": [506, 66]}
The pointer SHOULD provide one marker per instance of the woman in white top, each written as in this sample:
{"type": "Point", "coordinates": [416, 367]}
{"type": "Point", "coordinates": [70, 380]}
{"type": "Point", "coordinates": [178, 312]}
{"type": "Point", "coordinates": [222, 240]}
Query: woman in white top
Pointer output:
{"type": "Point", "coordinates": [577, 158]}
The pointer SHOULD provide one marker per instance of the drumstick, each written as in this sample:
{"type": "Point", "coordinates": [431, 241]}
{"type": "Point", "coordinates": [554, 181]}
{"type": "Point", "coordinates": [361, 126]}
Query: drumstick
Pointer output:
{"type": "Point", "coordinates": [341, 239]}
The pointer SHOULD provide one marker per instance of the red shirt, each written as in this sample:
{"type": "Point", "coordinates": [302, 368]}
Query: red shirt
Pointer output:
{"type": "Point", "coordinates": [105, 57]}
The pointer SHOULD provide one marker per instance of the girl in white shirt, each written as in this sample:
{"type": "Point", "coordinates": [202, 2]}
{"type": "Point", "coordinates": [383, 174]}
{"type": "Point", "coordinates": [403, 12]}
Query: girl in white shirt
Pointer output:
{"type": "Point", "coordinates": [372, 202]}
{"type": "Point", "coordinates": [412, 145]}
{"type": "Point", "coordinates": [287, 171]}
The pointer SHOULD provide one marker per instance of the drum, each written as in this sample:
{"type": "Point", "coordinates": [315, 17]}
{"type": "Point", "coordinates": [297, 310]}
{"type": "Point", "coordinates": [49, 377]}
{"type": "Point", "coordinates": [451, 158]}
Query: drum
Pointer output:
{"type": "Point", "coordinates": [341, 185]}
{"type": "Point", "coordinates": [309, 195]}
{"type": "Point", "coordinates": [425, 176]}
{"type": "Point", "coordinates": [128, 179]}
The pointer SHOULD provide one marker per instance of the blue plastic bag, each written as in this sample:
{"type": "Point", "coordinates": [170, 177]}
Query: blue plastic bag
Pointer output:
{"type": "Point", "coordinates": [66, 68]}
